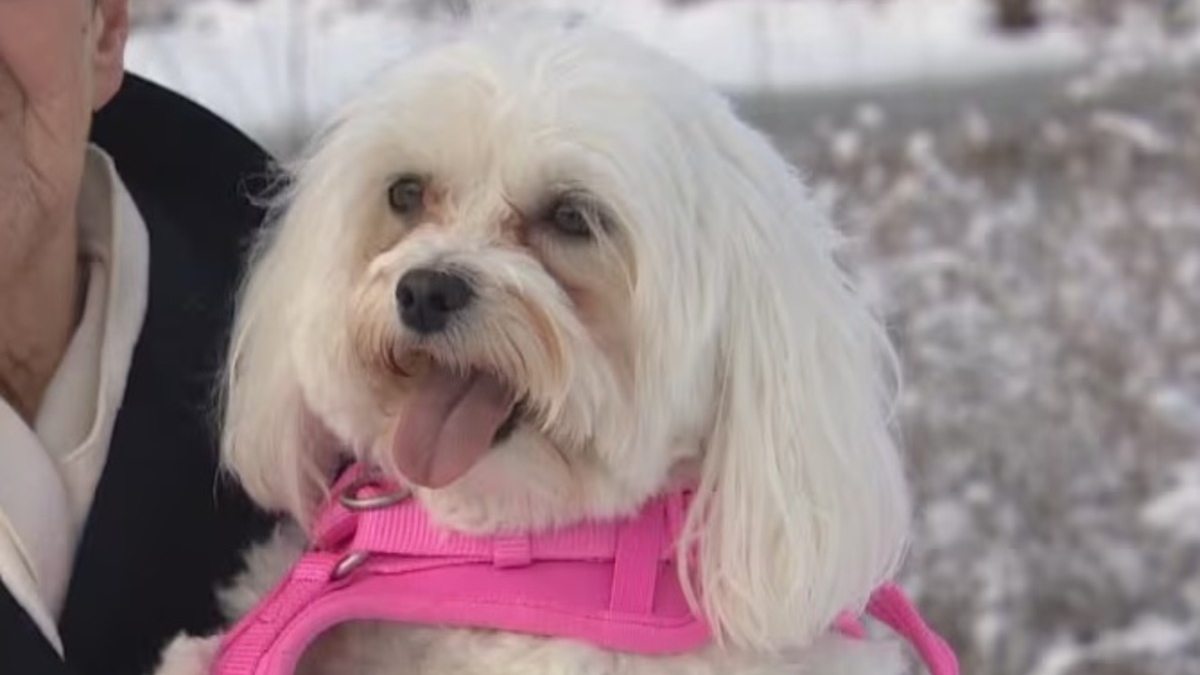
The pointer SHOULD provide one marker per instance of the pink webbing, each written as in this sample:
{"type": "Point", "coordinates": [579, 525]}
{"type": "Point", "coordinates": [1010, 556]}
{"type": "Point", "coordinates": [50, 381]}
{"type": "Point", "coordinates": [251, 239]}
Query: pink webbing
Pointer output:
{"type": "Point", "coordinates": [402, 541]}
{"type": "Point", "coordinates": [243, 648]}
{"type": "Point", "coordinates": [640, 545]}
{"type": "Point", "coordinates": [890, 605]}
{"type": "Point", "coordinates": [406, 529]}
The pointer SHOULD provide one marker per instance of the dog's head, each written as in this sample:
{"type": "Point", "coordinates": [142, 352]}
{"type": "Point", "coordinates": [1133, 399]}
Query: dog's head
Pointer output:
{"type": "Point", "coordinates": [540, 272]}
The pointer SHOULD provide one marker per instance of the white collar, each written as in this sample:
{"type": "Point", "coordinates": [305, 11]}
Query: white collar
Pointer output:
{"type": "Point", "coordinates": [48, 474]}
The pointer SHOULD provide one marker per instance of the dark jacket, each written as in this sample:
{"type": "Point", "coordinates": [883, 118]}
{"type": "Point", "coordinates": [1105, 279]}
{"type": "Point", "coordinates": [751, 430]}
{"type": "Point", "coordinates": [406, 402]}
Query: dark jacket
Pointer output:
{"type": "Point", "coordinates": [164, 528]}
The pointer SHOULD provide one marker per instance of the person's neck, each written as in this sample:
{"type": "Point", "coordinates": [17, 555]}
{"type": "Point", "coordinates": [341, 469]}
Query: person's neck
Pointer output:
{"type": "Point", "coordinates": [39, 309]}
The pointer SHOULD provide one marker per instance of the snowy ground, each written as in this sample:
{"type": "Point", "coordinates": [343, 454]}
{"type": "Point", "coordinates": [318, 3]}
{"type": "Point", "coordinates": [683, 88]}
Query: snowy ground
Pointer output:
{"type": "Point", "coordinates": [1035, 238]}
{"type": "Point", "coordinates": [1045, 291]}
{"type": "Point", "coordinates": [278, 63]}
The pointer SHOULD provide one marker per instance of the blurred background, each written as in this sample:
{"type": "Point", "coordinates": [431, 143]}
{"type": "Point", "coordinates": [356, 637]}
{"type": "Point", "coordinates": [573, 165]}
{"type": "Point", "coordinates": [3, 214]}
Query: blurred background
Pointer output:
{"type": "Point", "coordinates": [1021, 179]}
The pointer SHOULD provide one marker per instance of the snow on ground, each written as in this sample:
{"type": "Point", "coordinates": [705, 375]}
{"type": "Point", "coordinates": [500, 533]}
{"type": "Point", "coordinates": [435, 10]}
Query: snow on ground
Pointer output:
{"type": "Point", "coordinates": [259, 63]}
{"type": "Point", "coordinates": [1176, 511]}
{"type": "Point", "coordinates": [1041, 290]}
{"type": "Point", "coordinates": [837, 44]}
{"type": "Point", "coordinates": [1147, 638]}
{"type": "Point", "coordinates": [271, 64]}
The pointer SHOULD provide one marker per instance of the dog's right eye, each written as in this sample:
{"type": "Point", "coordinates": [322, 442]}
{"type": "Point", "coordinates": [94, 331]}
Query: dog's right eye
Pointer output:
{"type": "Point", "coordinates": [570, 220]}
{"type": "Point", "coordinates": [406, 195]}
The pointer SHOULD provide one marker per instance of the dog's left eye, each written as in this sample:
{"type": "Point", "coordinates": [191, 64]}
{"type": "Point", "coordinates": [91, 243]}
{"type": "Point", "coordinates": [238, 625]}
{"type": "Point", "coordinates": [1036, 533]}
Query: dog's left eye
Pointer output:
{"type": "Point", "coordinates": [572, 220]}
{"type": "Point", "coordinates": [406, 195]}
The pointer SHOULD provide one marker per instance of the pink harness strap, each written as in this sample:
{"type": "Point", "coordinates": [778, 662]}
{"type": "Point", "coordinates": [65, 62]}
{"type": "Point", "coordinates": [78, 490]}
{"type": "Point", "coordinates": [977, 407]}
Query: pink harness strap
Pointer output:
{"type": "Point", "coordinates": [377, 556]}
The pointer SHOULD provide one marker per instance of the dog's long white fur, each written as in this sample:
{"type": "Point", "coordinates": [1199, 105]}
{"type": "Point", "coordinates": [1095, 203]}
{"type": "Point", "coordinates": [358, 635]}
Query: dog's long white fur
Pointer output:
{"type": "Point", "coordinates": [740, 346]}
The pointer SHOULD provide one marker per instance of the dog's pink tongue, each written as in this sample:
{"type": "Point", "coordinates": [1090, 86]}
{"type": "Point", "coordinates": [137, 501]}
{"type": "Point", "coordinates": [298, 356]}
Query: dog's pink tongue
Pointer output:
{"type": "Point", "coordinates": [448, 425]}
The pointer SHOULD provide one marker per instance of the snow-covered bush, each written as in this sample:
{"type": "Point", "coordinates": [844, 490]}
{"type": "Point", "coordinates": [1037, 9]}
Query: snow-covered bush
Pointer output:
{"type": "Point", "coordinates": [1045, 293]}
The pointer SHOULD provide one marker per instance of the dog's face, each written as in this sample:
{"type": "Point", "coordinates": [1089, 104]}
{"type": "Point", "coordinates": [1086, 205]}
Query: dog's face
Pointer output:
{"type": "Point", "coordinates": [539, 273]}
{"type": "Point", "coordinates": [475, 321]}
{"type": "Point", "coordinates": [490, 300]}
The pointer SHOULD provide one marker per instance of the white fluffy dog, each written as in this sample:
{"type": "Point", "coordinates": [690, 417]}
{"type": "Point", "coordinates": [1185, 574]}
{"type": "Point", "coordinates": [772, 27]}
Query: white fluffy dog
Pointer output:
{"type": "Point", "coordinates": [628, 286]}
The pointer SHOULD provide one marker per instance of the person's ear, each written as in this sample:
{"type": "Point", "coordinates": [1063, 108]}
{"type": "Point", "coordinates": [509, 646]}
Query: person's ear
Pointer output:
{"type": "Point", "coordinates": [106, 46]}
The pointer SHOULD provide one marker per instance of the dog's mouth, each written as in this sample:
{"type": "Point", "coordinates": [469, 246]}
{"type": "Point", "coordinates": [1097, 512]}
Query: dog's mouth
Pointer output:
{"type": "Point", "coordinates": [509, 425]}
{"type": "Point", "coordinates": [452, 418]}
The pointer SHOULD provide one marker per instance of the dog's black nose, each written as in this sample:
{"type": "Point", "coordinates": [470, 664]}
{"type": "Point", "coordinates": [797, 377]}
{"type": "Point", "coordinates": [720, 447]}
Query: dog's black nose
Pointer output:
{"type": "Point", "coordinates": [428, 298]}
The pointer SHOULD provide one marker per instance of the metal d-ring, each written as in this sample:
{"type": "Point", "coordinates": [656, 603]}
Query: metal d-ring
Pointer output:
{"type": "Point", "coordinates": [348, 564]}
{"type": "Point", "coordinates": [350, 499]}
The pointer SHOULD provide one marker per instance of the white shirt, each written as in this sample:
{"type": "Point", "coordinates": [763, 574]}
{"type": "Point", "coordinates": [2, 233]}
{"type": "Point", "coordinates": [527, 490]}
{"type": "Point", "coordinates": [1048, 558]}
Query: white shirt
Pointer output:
{"type": "Point", "coordinates": [48, 473]}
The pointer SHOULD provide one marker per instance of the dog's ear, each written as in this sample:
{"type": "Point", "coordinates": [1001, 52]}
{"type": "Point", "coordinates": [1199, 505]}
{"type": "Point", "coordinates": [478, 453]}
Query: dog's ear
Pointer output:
{"type": "Point", "coordinates": [270, 440]}
{"type": "Point", "coordinates": [803, 506]}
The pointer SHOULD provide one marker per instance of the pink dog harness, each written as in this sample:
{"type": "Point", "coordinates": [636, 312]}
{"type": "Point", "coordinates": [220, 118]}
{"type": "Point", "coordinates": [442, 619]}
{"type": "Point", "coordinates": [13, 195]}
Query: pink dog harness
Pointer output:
{"type": "Point", "coordinates": [375, 555]}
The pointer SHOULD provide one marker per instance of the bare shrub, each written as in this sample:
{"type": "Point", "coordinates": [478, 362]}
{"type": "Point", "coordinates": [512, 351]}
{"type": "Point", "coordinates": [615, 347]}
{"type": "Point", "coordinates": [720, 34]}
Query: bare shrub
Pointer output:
{"type": "Point", "coordinates": [1045, 294]}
